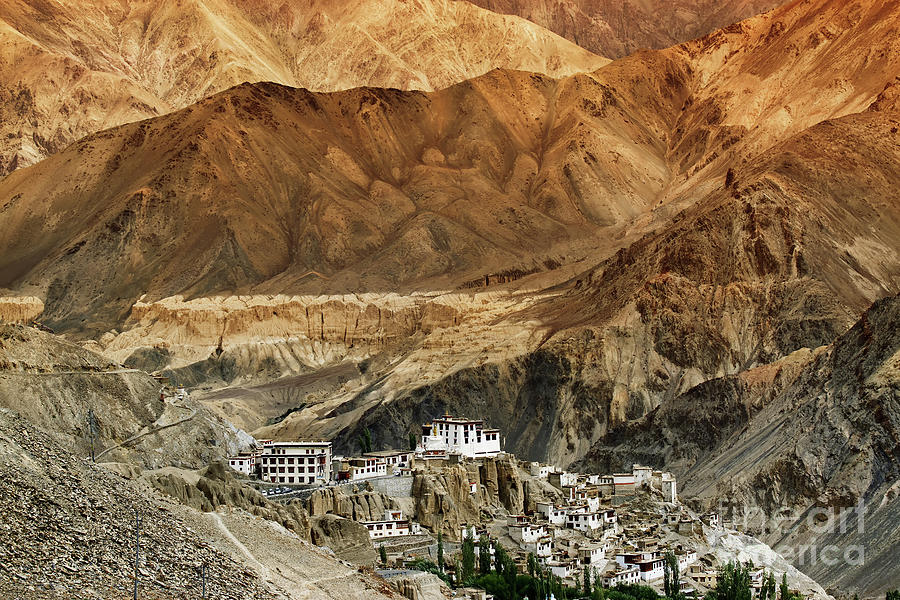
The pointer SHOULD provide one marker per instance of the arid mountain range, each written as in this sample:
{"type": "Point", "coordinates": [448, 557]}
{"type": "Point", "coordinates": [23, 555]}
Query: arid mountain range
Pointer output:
{"type": "Point", "coordinates": [69, 68]}
{"type": "Point", "coordinates": [574, 250]}
{"type": "Point", "coordinates": [617, 28]}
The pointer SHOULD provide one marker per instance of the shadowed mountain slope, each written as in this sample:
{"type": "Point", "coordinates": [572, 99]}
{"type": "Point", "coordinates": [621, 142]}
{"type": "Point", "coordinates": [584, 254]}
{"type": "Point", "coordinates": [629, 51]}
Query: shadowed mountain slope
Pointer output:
{"type": "Point", "coordinates": [615, 28]}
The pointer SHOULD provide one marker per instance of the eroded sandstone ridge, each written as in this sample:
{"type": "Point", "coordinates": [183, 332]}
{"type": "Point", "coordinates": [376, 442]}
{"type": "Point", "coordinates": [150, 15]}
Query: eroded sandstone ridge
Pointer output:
{"type": "Point", "coordinates": [20, 309]}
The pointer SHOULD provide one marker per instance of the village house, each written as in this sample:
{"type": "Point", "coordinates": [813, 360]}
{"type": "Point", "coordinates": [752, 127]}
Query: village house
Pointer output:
{"type": "Point", "coordinates": [539, 470]}
{"type": "Point", "coordinates": [553, 514]}
{"type": "Point", "coordinates": [466, 437]}
{"type": "Point", "coordinates": [295, 462]}
{"type": "Point", "coordinates": [706, 577]}
{"type": "Point", "coordinates": [542, 547]}
{"type": "Point", "coordinates": [592, 555]}
{"type": "Point", "coordinates": [563, 569]}
{"type": "Point", "coordinates": [394, 460]}
{"type": "Point", "coordinates": [562, 479]}
{"type": "Point", "coordinates": [359, 468]}
{"type": "Point", "coordinates": [527, 533]}
{"type": "Point", "coordinates": [711, 519]}
{"type": "Point", "coordinates": [584, 521]}
{"type": "Point", "coordinates": [623, 575]}
{"type": "Point", "coordinates": [243, 463]}
{"type": "Point", "coordinates": [652, 568]}
{"type": "Point", "coordinates": [393, 525]}
{"type": "Point", "coordinates": [686, 558]}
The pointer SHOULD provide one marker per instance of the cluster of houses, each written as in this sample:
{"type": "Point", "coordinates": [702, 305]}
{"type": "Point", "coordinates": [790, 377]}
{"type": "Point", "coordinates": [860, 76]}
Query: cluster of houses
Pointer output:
{"type": "Point", "coordinates": [604, 546]}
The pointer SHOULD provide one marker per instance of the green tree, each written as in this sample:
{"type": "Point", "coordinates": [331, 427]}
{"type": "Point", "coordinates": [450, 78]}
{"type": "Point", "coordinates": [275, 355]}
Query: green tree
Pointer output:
{"type": "Point", "coordinates": [440, 551]}
{"type": "Point", "coordinates": [499, 558]}
{"type": "Point", "coordinates": [532, 564]}
{"type": "Point", "coordinates": [468, 559]}
{"type": "Point", "coordinates": [892, 595]}
{"type": "Point", "coordinates": [784, 590]}
{"type": "Point", "coordinates": [671, 576]}
{"type": "Point", "coordinates": [732, 583]}
{"type": "Point", "coordinates": [484, 555]}
{"type": "Point", "coordinates": [412, 440]}
{"type": "Point", "coordinates": [382, 554]}
{"type": "Point", "coordinates": [587, 581]}
{"type": "Point", "coordinates": [365, 441]}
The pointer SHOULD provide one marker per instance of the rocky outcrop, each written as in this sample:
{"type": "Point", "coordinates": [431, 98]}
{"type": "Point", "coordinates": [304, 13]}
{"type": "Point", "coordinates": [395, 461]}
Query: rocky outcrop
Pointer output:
{"type": "Point", "coordinates": [60, 508]}
{"type": "Point", "coordinates": [444, 500]}
{"type": "Point", "coordinates": [23, 310]}
{"type": "Point", "coordinates": [420, 586]}
{"type": "Point", "coordinates": [348, 539]}
{"type": "Point", "coordinates": [217, 487]}
{"type": "Point", "coordinates": [351, 504]}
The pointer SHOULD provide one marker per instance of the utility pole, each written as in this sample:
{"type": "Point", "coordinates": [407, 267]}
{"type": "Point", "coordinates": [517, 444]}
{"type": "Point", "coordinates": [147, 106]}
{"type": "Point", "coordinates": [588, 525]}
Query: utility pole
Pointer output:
{"type": "Point", "coordinates": [137, 550]}
{"type": "Point", "coordinates": [92, 431]}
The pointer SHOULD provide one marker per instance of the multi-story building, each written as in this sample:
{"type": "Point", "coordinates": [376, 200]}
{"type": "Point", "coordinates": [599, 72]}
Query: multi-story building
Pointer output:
{"type": "Point", "coordinates": [527, 533]}
{"type": "Point", "coordinates": [295, 462]}
{"type": "Point", "coordinates": [243, 463]}
{"type": "Point", "coordinates": [450, 434]}
{"type": "Point", "coordinates": [592, 555]}
{"type": "Point", "coordinates": [562, 479]}
{"type": "Point", "coordinates": [393, 525]}
{"type": "Point", "coordinates": [555, 515]}
{"type": "Point", "coordinates": [540, 470]}
{"type": "Point", "coordinates": [584, 521]}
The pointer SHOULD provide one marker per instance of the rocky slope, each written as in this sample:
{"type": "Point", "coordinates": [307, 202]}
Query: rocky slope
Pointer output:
{"type": "Point", "coordinates": [56, 385]}
{"type": "Point", "coordinates": [616, 29]}
{"type": "Point", "coordinates": [64, 511]}
{"type": "Point", "coordinates": [67, 72]}
{"type": "Point", "coordinates": [813, 434]}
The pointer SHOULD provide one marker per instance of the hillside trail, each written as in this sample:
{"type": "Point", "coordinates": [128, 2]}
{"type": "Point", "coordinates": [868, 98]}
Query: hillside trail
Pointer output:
{"type": "Point", "coordinates": [261, 568]}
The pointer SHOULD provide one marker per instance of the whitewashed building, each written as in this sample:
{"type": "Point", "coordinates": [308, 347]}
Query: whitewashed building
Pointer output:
{"type": "Point", "coordinates": [540, 470]}
{"type": "Point", "coordinates": [296, 462]}
{"type": "Point", "coordinates": [641, 474]}
{"type": "Point", "coordinates": [584, 521]}
{"type": "Point", "coordinates": [563, 569]}
{"type": "Point", "coordinates": [467, 437]}
{"type": "Point", "coordinates": [592, 555]}
{"type": "Point", "coordinates": [553, 514]}
{"type": "Point", "coordinates": [393, 525]}
{"type": "Point", "coordinates": [624, 575]}
{"type": "Point", "coordinates": [562, 479]}
{"type": "Point", "coordinates": [527, 533]}
{"type": "Point", "coordinates": [394, 460]}
{"type": "Point", "coordinates": [652, 568]}
{"type": "Point", "coordinates": [359, 468]}
{"type": "Point", "coordinates": [243, 463]}
{"type": "Point", "coordinates": [542, 548]}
